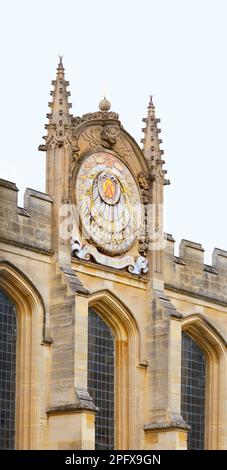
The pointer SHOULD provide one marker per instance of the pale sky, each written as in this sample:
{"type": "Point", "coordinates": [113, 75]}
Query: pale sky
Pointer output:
{"type": "Point", "coordinates": [173, 49]}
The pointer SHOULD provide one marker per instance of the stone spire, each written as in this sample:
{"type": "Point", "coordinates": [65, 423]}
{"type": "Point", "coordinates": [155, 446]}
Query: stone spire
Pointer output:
{"type": "Point", "coordinates": [151, 144]}
{"type": "Point", "coordinates": [59, 117]}
{"type": "Point", "coordinates": [153, 154]}
{"type": "Point", "coordinates": [58, 141]}
{"type": "Point", "coordinates": [59, 149]}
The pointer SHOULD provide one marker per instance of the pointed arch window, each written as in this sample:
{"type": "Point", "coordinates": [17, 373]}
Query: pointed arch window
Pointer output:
{"type": "Point", "coordinates": [8, 334]}
{"type": "Point", "coordinates": [193, 384]}
{"type": "Point", "coordinates": [101, 378]}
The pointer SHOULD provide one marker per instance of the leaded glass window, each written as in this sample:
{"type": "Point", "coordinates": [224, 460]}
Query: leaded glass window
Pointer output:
{"type": "Point", "coordinates": [193, 378]}
{"type": "Point", "coordinates": [101, 378]}
{"type": "Point", "coordinates": [8, 331]}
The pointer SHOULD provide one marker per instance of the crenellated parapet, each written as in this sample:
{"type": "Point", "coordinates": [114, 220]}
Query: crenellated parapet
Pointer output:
{"type": "Point", "coordinates": [188, 274]}
{"type": "Point", "coordinates": [30, 226]}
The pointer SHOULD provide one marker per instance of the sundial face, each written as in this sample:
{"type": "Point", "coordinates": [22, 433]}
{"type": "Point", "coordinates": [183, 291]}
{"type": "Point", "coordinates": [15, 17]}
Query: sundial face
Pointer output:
{"type": "Point", "coordinates": [109, 203]}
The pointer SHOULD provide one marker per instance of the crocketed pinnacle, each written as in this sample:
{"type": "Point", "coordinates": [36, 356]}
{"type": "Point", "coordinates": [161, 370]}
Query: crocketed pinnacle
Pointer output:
{"type": "Point", "coordinates": [151, 142]}
{"type": "Point", "coordinates": [59, 117]}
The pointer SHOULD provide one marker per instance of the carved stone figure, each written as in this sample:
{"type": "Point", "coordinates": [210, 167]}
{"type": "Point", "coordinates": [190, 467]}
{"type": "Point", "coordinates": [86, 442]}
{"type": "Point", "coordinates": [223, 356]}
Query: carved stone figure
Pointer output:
{"type": "Point", "coordinates": [109, 135]}
{"type": "Point", "coordinates": [143, 181]}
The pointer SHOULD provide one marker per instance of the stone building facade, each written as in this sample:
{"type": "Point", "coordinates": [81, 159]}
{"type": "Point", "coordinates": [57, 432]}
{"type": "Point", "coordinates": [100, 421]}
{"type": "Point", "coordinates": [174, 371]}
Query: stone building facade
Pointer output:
{"type": "Point", "coordinates": [108, 339]}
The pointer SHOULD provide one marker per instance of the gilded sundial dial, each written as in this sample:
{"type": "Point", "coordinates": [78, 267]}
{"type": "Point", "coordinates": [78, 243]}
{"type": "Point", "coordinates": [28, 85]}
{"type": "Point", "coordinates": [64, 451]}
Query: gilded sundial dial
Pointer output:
{"type": "Point", "coordinates": [109, 203]}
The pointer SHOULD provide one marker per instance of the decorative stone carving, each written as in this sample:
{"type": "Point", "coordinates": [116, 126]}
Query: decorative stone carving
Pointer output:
{"type": "Point", "coordinates": [144, 238]}
{"type": "Point", "coordinates": [143, 181]}
{"type": "Point", "coordinates": [75, 154]}
{"type": "Point", "coordinates": [141, 266]}
{"type": "Point", "coordinates": [143, 246]}
{"type": "Point", "coordinates": [157, 172]}
{"type": "Point", "coordinates": [109, 135]}
{"type": "Point", "coordinates": [66, 200]}
{"type": "Point", "coordinates": [100, 115]}
{"type": "Point", "coordinates": [138, 265]}
{"type": "Point", "coordinates": [91, 137]}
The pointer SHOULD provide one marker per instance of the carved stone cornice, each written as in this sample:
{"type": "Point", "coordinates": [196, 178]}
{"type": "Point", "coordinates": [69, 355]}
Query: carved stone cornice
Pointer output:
{"type": "Point", "coordinates": [100, 115]}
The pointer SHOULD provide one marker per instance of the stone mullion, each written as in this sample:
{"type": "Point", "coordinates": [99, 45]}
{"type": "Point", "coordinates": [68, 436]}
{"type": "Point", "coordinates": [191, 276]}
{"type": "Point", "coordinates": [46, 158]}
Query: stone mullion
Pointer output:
{"type": "Point", "coordinates": [80, 343]}
{"type": "Point", "coordinates": [35, 379]}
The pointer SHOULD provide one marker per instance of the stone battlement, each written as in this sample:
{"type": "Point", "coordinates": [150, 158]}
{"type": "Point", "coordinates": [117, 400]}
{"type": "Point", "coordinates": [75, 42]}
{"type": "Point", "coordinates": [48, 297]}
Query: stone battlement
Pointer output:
{"type": "Point", "coordinates": [28, 226]}
{"type": "Point", "coordinates": [188, 273]}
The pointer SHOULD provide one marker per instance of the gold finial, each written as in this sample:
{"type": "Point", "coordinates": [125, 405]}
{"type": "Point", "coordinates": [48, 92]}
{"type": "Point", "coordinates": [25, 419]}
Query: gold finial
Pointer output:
{"type": "Point", "coordinates": [105, 93]}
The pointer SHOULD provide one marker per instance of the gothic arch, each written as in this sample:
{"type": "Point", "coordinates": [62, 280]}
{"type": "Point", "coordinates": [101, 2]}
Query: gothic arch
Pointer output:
{"type": "Point", "coordinates": [123, 322]}
{"type": "Point", "coordinates": [214, 347]}
{"type": "Point", "coordinates": [127, 342]}
{"type": "Point", "coordinates": [30, 326]}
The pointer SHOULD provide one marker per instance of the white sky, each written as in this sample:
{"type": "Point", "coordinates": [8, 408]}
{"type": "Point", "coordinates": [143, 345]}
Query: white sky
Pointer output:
{"type": "Point", "coordinates": [173, 49]}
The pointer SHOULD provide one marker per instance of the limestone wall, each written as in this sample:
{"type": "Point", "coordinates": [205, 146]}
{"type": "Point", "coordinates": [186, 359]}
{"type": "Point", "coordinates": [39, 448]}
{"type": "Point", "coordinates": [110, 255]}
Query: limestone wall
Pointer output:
{"type": "Point", "coordinates": [28, 227]}
{"type": "Point", "coordinates": [188, 273]}
{"type": "Point", "coordinates": [198, 292]}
